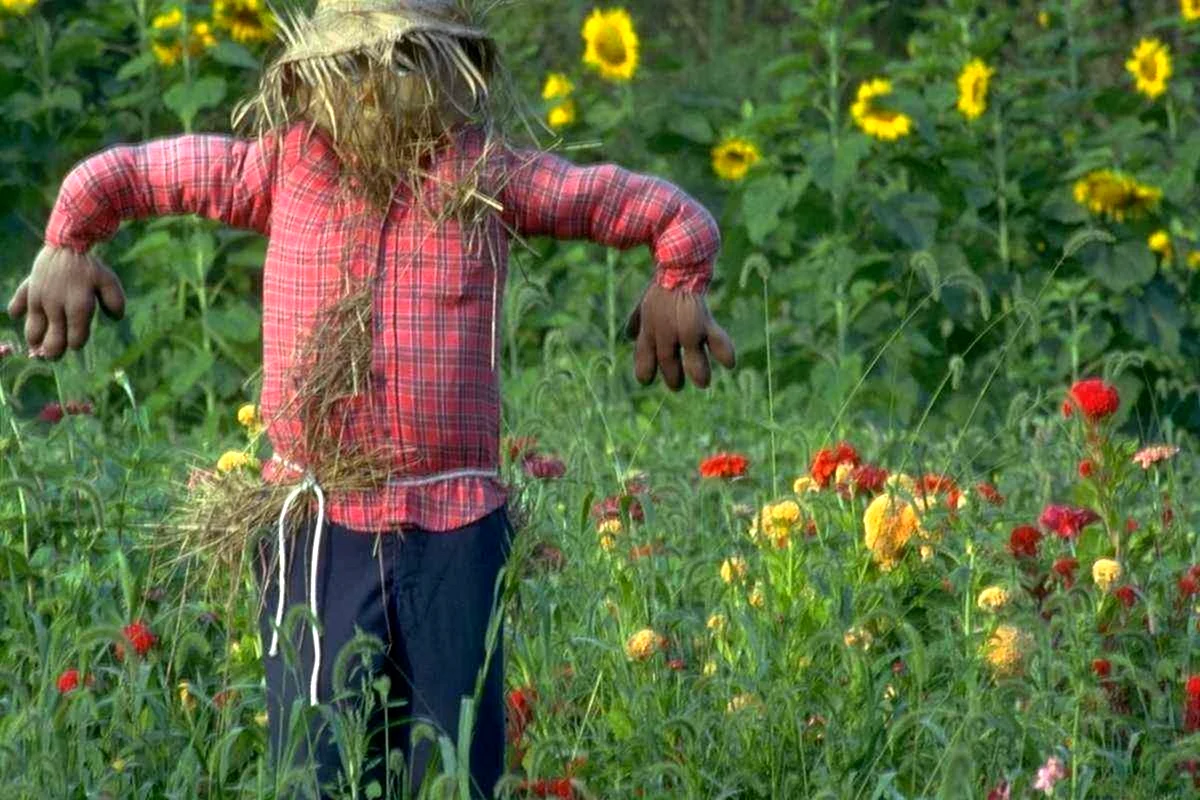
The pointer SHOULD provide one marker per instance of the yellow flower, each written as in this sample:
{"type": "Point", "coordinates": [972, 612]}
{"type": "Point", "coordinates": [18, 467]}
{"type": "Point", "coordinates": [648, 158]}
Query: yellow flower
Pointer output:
{"type": "Point", "coordinates": [167, 20]}
{"type": "Point", "coordinates": [561, 115]}
{"type": "Point", "coordinates": [880, 123]}
{"type": "Point", "coordinates": [247, 21]}
{"type": "Point", "coordinates": [1193, 260]}
{"type": "Point", "coordinates": [557, 85]}
{"type": "Point", "coordinates": [118, 764]}
{"type": "Point", "coordinates": [1160, 244]}
{"type": "Point", "coordinates": [610, 525]}
{"type": "Point", "coordinates": [742, 701]}
{"type": "Point", "coordinates": [1150, 66]}
{"type": "Point", "coordinates": [607, 543]}
{"type": "Point", "coordinates": [261, 719]}
{"type": "Point", "coordinates": [733, 158]}
{"type": "Point", "coordinates": [643, 644]}
{"type": "Point", "coordinates": [774, 523]}
{"type": "Point", "coordinates": [805, 484]}
{"type": "Point", "coordinates": [1190, 10]}
{"type": "Point", "coordinates": [926, 552]}
{"type": "Point", "coordinates": [858, 637]}
{"type": "Point", "coordinates": [901, 482]}
{"type": "Point", "coordinates": [168, 48]}
{"type": "Point", "coordinates": [612, 44]}
{"type": "Point", "coordinates": [186, 699]}
{"type": "Point", "coordinates": [18, 7]}
{"type": "Point", "coordinates": [1116, 195]}
{"type": "Point", "coordinates": [1106, 572]}
{"type": "Point", "coordinates": [710, 668]}
{"type": "Point", "coordinates": [247, 415]}
{"type": "Point", "coordinates": [973, 88]}
{"type": "Point", "coordinates": [235, 459]}
{"type": "Point", "coordinates": [842, 473]}
{"type": "Point", "coordinates": [993, 598]}
{"type": "Point", "coordinates": [734, 568]}
{"type": "Point", "coordinates": [716, 623]}
{"type": "Point", "coordinates": [889, 523]}
{"type": "Point", "coordinates": [1006, 650]}
{"type": "Point", "coordinates": [1043, 19]}
{"type": "Point", "coordinates": [756, 598]}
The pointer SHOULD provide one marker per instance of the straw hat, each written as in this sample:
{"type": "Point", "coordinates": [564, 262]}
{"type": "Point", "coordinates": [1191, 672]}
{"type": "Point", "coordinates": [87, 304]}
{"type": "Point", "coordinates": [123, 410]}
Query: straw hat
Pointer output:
{"type": "Point", "coordinates": [341, 26]}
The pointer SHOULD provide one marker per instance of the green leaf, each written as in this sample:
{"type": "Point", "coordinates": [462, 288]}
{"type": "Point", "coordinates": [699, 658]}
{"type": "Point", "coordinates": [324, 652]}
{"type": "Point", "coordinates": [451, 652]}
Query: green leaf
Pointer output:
{"type": "Point", "coordinates": [135, 66]}
{"type": "Point", "coordinates": [620, 724]}
{"type": "Point", "coordinates": [187, 377]}
{"type": "Point", "coordinates": [762, 204]}
{"type": "Point", "coordinates": [911, 216]}
{"type": "Point", "coordinates": [235, 55]}
{"type": "Point", "coordinates": [187, 100]}
{"type": "Point", "coordinates": [691, 125]}
{"type": "Point", "coordinates": [1119, 268]}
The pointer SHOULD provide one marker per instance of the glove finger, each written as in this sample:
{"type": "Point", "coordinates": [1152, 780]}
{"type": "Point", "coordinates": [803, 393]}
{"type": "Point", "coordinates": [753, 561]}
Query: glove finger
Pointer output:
{"type": "Point", "coordinates": [695, 364]}
{"type": "Point", "coordinates": [78, 314]}
{"type": "Point", "coordinates": [666, 347]}
{"type": "Point", "coordinates": [35, 325]}
{"type": "Point", "coordinates": [20, 300]}
{"type": "Point", "coordinates": [720, 345]}
{"type": "Point", "coordinates": [634, 323]}
{"type": "Point", "coordinates": [644, 363]}
{"type": "Point", "coordinates": [112, 296]}
{"type": "Point", "coordinates": [55, 341]}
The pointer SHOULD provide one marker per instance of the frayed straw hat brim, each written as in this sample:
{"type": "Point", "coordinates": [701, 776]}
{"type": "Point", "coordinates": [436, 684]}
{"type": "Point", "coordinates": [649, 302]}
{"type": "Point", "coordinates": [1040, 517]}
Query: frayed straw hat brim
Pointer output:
{"type": "Point", "coordinates": [333, 33]}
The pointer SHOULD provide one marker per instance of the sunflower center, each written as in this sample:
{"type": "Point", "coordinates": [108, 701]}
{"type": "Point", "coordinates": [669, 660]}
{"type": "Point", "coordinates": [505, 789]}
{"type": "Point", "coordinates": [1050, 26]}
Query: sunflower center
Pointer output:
{"type": "Point", "coordinates": [611, 46]}
{"type": "Point", "coordinates": [977, 92]}
{"type": "Point", "coordinates": [1149, 67]}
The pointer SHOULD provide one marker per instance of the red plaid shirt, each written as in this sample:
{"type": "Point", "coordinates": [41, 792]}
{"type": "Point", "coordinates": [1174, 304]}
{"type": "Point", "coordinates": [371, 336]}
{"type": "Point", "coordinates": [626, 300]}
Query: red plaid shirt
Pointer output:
{"type": "Point", "coordinates": [435, 384]}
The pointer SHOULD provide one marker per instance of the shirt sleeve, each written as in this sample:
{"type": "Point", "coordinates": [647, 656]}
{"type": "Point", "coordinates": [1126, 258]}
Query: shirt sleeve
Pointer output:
{"type": "Point", "coordinates": [215, 176]}
{"type": "Point", "coordinates": [546, 195]}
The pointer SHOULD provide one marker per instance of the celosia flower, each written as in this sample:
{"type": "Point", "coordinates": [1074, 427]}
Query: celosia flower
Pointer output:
{"type": "Point", "coordinates": [644, 644]}
{"type": "Point", "coordinates": [1106, 572]}
{"type": "Point", "coordinates": [139, 635]}
{"type": "Point", "coordinates": [1126, 594]}
{"type": "Point", "coordinates": [69, 681]}
{"type": "Point", "coordinates": [612, 44]}
{"type": "Point", "coordinates": [552, 787]}
{"type": "Point", "coordinates": [889, 523]}
{"type": "Point", "coordinates": [827, 460]}
{"type": "Point", "coordinates": [973, 88]}
{"type": "Point", "coordinates": [733, 158]}
{"type": "Point", "coordinates": [1086, 468]}
{"type": "Point", "coordinates": [724, 465]}
{"type": "Point", "coordinates": [775, 523]}
{"type": "Point", "coordinates": [1023, 541]}
{"type": "Point", "coordinates": [733, 569]}
{"type": "Point", "coordinates": [1150, 66]}
{"type": "Point", "coordinates": [520, 703]}
{"type": "Point", "coordinates": [865, 479]}
{"type": "Point", "coordinates": [1154, 453]}
{"type": "Point", "coordinates": [543, 467]}
{"type": "Point", "coordinates": [235, 459]}
{"type": "Point", "coordinates": [1007, 649]}
{"type": "Point", "coordinates": [1102, 667]}
{"type": "Point", "coordinates": [989, 493]}
{"type": "Point", "coordinates": [1094, 397]}
{"type": "Point", "coordinates": [1065, 568]}
{"type": "Point", "coordinates": [881, 123]}
{"type": "Point", "coordinates": [51, 412]}
{"type": "Point", "coordinates": [1191, 706]}
{"type": "Point", "coordinates": [1067, 521]}
{"type": "Point", "coordinates": [993, 598]}
{"type": "Point", "coordinates": [1049, 774]}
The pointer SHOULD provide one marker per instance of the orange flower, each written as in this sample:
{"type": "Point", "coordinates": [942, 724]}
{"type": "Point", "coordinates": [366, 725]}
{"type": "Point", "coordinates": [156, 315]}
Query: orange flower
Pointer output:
{"type": "Point", "coordinates": [724, 465]}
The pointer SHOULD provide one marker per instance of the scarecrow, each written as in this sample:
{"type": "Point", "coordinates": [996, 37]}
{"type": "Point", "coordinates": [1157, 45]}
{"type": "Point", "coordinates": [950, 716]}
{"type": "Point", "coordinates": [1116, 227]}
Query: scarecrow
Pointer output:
{"type": "Point", "coordinates": [372, 159]}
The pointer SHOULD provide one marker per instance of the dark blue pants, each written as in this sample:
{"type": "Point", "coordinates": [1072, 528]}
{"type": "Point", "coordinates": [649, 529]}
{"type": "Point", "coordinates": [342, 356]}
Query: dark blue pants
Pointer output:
{"type": "Point", "coordinates": [428, 597]}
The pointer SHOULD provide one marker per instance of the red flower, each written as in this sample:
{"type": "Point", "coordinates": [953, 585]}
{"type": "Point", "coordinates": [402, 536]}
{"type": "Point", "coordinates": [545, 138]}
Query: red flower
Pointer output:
{"type": "Point", "coordinates": [543, 467]}
{"type": "Point", "coordinates": [1191, 709]}
{"type": "Point", "coordinates": [1187, 586]}
{"type": "Point", "coordinates": [1095, 398]}
{"type": "Point", "coordinates": [1086, 468]}
{"type": "Point", "coordinates": [864, 479]}
{"type": "Point", "coordinates": [1131, 525]}
{"type": "Point", "coordinates": [520, 710]}
{"type": "Point", "coordinates": [610, 507]}
{"type": "Point", "coordinates": [645, 551]}
{"type": "Point", "coordinates": [1102, 667]}
{"type": "Point", "coordinates": [1168, 513]}
{"type": "Point", "coordinates": [557, 787]}
{"type": "Point", "coordinates": [677, 664]}
{"type": "Point", "coordinates": [724, 465]}
{"type": "Point", "coordinates": [1067, 521]}
{"type": "Point", "coordinates": [51, 412]}
{"type": "Point", "coordinates": [1192, 687]}
{"type": "Point", "coordinates": [139, 635]}
{"type": "Point", "coordinates": [1126, 594]}
{"type": "Point", "coordinates": [989, 493]}
{"type": "Point", "coordinates": [69, 681]}
{"type": "Point", "coordinates": [82, 407]}
{"type": "Point", "coordinates": [1065, 568]}
{"type": "Point", "coordinates": [827, 460]}
{"type": "Point", "coordinates": [224, 697]}
{"type": "Point", "coordinates": [1002, 791]}
{"type": "Point", "coordinates": [1023, 541]}
{"type": "Point", "coordinates": [520, 445]}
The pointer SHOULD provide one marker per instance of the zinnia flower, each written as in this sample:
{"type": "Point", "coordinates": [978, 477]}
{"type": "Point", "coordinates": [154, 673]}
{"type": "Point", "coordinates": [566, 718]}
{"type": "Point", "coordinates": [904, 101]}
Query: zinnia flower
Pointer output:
{"type": "Point", "coordinates": [1067, 521]}
{"type": "Point", "coordinates": [51, 412]}
{"type": "Point", "coordinates": [1023, 541]}
{"type": "Point", "coordinates": [881, 123]}
{"type": "Point", "coordinates": [1115, 195]}
{"type": "Point", "coordinates": [864, 479]}
{"type": "Point", "coordinates": [989, 493]}
{"type": "Point", "coordinates": [973, 88]}
{"type": "Point", "coordinates": [1065, 568]}
{"type": "Point", "coordinates": [612, 44]}
{"type": "Point", "coordinates": [644, 644]}
{"type": "Point", "coordinates": [1006, 650]}
{"type": "Point", "coordinates": [827, 460]}
{"type": "Point", "coordinates": [724, 465]}
{"type": "Point", "coordinates": [733, 158]}
{"type": "Point", "coordinates": [993, 598]}
{"type": "Point", "coordinates": [1106, 572]}
{"type": "Point", "coordinates": [889, 523]}
{"type": "Point", "coordinates": [1094, 397]}
{"type": "Point", "coordinates": [247, 21]}
{"type": "Point", "coordinates": [139, 635]}
{"type": "Point", "coordinates": [1126, 594]}
{"type": "Point", "coordinates": [1049, 774]}
{"type": "Point", "coordinates": [1150, 66]}
{"type": "Point", "coordinates": [1155, 453]}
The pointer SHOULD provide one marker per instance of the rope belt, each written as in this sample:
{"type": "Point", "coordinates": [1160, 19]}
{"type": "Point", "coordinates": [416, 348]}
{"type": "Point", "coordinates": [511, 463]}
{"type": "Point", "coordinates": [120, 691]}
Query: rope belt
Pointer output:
{"type": "Point", "coordinates": [309, 484]}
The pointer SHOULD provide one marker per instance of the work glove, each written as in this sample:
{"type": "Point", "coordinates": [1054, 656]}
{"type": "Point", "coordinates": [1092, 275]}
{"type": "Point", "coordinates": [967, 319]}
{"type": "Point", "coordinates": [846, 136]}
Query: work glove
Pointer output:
{"type": "Point", "coordinates": [667, 322]}
{"type": "Point", "coordinates": [60, 296]}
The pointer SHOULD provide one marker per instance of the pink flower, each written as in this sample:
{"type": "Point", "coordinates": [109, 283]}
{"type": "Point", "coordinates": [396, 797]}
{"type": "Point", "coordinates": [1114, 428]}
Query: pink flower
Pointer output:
{"type": "Point", "coordinates": [51, 412]}
{"type": "Point", "coordinates": [1049, 774]}
{"type": "Point", "coordinates": [7, 349]}
{"type": "Point", "coordinates": [1067, 521]}
{"type": "Point", "coordinates": [1003, 791]}
{"type": "Point", "coordinates": [545, 467]}
{"type": "Point", "coordinates": [1154, 453]}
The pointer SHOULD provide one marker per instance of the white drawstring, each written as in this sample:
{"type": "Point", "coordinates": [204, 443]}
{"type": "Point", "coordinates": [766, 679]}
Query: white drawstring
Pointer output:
{"type": "Point", "coordinates": [309, 483]}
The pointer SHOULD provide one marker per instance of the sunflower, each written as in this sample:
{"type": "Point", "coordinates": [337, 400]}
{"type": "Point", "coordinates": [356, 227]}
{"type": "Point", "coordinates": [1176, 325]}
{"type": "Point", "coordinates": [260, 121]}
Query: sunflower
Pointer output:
{"type": "Point", "coordinates": [557, 86]}
{"type": "Point", "coordinates": [973, 88]}
{"type": "Point", "coordinates": [247, 21]}
{"type": "Point", "coordinates": [733, 158]}
{"type": "Point", "coordinates": [1190, 10]}
{"type": "Point", "coordinates": [880, 123]}
{"type": "Point", "coordinates": [18, 7]}
{"type": "Point", "coordinates": [612, 44]}
{"type": "Point", "coordinates": [168, 46]}
{"type": "Point", "coordinates": [1150, 66]}
{"type": "Point", "coordinates": [1116, 195]}
{"type": "Point", "coordinates": [1160, 244]}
